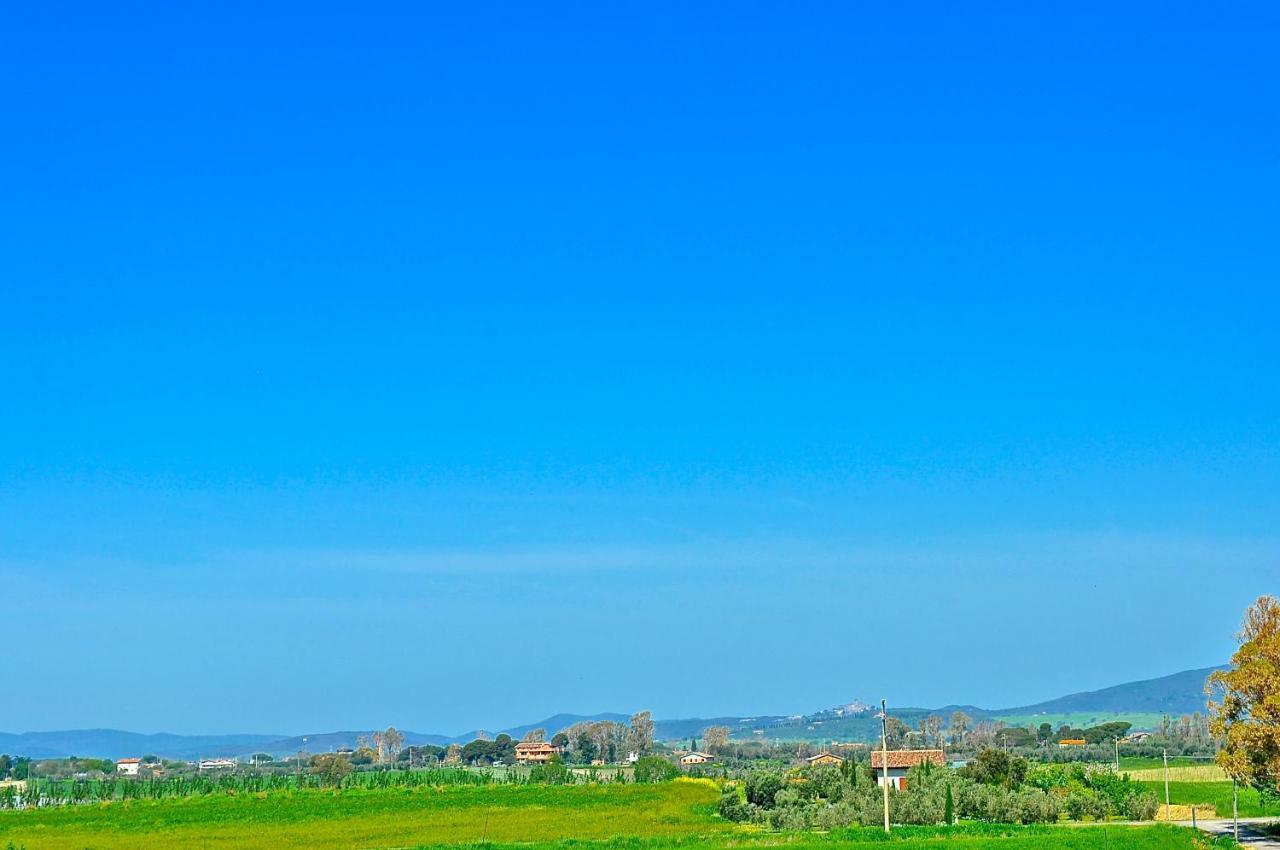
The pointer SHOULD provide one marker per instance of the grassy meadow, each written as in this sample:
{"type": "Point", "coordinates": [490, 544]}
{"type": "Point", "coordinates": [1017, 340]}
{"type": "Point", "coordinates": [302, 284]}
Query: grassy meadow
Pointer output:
{"type": "Point", "coordinates": [1216, 793]}
{"type": "Point", "coordinates": [374, 817]}
{"type": "Point", "coordinates": [669, 816]}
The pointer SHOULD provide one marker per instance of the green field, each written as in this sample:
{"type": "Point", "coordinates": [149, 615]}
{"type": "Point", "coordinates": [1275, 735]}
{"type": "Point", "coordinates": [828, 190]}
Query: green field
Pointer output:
{"type": "Point", "coordinates": [1083, 719]}
{"type": "Point", "coordinates": [670, 816]}
{"type": "Point", "coordinates": [375, 818]}
{"type": "Point", "coordinates": [1217, 793]}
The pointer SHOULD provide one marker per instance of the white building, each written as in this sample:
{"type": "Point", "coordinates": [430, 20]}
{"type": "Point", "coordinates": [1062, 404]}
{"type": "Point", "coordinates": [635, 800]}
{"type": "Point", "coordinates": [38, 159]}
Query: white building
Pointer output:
{"type": "Point", "coordinates": [217, 764]}
{"type": "Point", "coordinates": [128, 767]}
{"type": "Point", "coordinates": [693, 758]}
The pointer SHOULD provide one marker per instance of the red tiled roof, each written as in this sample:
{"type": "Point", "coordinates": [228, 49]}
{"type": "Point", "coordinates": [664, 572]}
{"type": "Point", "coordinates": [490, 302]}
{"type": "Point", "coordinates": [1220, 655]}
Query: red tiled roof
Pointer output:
{"type": "Point", "coordinates": [907, 758]}
{"type": "Point", "coordinates": [129, 761]}
{"type": "Point", "coordinates": [535, 745]}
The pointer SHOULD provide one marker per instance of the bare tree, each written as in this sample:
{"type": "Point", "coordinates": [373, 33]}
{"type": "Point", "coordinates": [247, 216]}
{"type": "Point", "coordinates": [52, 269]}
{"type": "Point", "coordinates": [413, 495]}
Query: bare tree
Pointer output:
{"type": "Point", "coordinates": [715, 739]}
{"type": "Point", "coordinates": [959, 727]}
{"type": "Point", "coordinates": [931, 729]}
{"type": "Point", "coordinates": [393, 742]}
{"type": "Point", "coordinates": [453, 754]}
{"type": "Point", "coordinates": [640, 733]}
{"type": "Point", "coordinates": [535, 736]}
{"type": "Point", "coordinates": [984, 733]}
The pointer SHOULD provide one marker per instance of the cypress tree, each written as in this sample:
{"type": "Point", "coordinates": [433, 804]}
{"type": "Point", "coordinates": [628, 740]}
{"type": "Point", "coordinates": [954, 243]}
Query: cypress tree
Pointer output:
{"type": "Point", "coordinates": [950, 807]}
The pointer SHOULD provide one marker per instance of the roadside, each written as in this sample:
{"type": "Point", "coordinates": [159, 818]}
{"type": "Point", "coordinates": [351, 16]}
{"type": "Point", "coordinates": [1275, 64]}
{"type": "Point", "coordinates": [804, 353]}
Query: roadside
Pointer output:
{"type": "Point", "coordinates": [1251, 831]}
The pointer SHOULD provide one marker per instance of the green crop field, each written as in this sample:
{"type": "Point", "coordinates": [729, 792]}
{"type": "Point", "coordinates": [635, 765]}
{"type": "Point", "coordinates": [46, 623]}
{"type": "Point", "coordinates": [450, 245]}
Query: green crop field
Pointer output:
{"type": "Point", "coordinates": [1216, 793]}
{"type": "Point", "coordinates": [374, 818]}
{"type": "Point", "coordinates": [670, 816]}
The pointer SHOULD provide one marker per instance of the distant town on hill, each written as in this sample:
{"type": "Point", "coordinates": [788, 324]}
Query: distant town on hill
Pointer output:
{"type": "Point", "coordinates": [1143, 703]}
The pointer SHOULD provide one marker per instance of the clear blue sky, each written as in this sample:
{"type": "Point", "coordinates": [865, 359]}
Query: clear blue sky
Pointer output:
{"type": "Point", "coordinates": [453, 367]}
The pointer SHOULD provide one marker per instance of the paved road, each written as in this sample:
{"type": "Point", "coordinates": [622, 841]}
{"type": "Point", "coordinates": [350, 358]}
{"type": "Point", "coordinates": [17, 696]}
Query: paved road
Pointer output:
{"type": "Point", "coordinates": [1250, 834]}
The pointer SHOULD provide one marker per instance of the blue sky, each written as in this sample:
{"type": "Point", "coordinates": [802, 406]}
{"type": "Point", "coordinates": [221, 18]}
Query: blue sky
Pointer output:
{"type": "Point", "coordinates": [355, 362]}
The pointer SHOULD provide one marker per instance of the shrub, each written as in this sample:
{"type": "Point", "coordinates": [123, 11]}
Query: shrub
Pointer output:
{"type": "Point", "coordinates": [1037, 807]}
{"type": "Point", "coordinates": [732, 806]}
{"type": "Point", "coordinates": [762, 787]}
{"type": "Point", "coordinates": [553, 772]}
{"type": "Point", "coordinates": [1077, 805]}
{"type": "Point", "coordinates": [836, 816]}
{"type": "Point", "coordinates": [655, 769]}
{"type": "Point", "coordinates": [1139, 806]}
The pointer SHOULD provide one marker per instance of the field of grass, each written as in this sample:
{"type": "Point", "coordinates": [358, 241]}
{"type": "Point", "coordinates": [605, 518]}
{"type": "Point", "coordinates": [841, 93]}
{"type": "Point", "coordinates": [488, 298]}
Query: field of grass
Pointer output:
{"type": "Point", "coordinates": [1216, 793]}
{"type": "Point", "coordinates": [1083, 720]}
{"type": "Point", "coordinates": [970, 837]}
{"type": "Point", "coordinates": [671, 816]}
{"type": "Point", "coordinates": [1182, 773]}
{"type": "Point", "coordinates": [374, 818]}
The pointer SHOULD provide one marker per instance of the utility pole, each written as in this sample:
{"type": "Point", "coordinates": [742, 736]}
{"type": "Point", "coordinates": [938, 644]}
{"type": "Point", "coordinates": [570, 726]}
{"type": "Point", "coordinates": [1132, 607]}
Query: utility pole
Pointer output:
{"type": "Point", "coordinates": [1167, 808]}
{"type": "Point", "coordinates": [884, 764]}
{"type": "Point", "coordinates": [1117, 756]}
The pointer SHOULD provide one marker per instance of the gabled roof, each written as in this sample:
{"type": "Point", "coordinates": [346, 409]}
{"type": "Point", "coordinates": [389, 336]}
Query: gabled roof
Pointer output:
{"type": "Point", "coordinates": [825, 755]}
{"type": "Point", "coordinates": [907, 758]}
{"type": "Point", "coordinates": [129, 761]}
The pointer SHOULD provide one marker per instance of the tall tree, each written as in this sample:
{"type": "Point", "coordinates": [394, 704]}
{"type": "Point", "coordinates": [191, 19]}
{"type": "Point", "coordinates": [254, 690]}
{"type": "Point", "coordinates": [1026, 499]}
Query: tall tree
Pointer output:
{"type": "Point", "coordinates": [1246, 714]}
{"type": "Point", "coordinates": [640, 733]}
{"type": "Point", "coordinates": [393, 740]}
{"type": "Point", "coordinates": [897, 732]}
{"type": "Point", "coordinates": [535, 736]}
{"type": "Point", "coordinates": [959, 727]}
{"type": "Point", "coordinates": [715, 739]}
{"type": "Point", "coordinates": [931, 729]}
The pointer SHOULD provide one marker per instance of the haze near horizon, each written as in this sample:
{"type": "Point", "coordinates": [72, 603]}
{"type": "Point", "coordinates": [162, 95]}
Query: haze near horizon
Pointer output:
{"type": "Point", "coordinates": [456, 368]}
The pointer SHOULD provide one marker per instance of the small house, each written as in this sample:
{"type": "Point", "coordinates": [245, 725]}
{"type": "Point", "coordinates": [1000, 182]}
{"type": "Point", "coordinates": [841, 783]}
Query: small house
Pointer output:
{"type": "Point", "coordinates": [128, 767]}
{"type": "Point", "coordinates": [694, 758]}
{"type": "Point", "coordinates": [900, 763]}
{"type": "Point", "coordinates": [1071, 742]}
{"type": "Point", "coordinates": [824, 760]}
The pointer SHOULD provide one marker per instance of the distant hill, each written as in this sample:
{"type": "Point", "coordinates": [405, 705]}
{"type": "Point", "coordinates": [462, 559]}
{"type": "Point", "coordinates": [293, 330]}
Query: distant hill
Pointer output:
{"type": "Point", "coordinates": [1181, 693]}
{"type": "Point", "coordinates": [113, 743]}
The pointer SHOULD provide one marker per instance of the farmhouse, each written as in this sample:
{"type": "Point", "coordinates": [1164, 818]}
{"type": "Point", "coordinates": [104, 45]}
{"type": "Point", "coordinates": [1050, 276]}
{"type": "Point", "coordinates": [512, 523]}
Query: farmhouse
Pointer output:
{"type": "Point", "coordinates": [690, 759]}
{"type": "Point", "coordinates": [1071, 742]}
{"type": "Point", "coordinates": [535, 752]}
{"type": "Point", "coordinates": [217, 764]}
{"type": "Point", "coordinates": [822, 759]}
{"type": "Point", "coordinates": [128, 767]}
{"type": "Point", "coordinates": [900, 762]}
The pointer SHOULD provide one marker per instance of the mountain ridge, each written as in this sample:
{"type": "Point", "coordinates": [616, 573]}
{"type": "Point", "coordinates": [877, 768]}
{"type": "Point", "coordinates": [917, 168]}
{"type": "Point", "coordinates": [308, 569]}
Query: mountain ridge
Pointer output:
{"type": "Point", "coordinates": [1175, 694]}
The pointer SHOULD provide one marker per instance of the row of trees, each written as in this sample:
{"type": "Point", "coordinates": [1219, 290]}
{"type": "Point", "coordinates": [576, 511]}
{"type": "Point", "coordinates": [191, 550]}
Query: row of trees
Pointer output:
{"type": "Point", "coordinates": [995, 787]}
